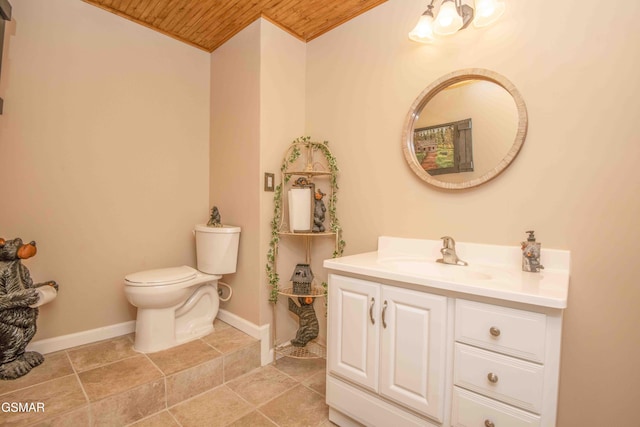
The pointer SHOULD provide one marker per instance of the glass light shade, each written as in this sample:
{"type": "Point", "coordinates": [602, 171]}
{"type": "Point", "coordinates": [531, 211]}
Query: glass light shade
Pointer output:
{"type": "Point", "coordinates": [448, 20]}
{"type": "Point", "coordinates": [487, 12]}
{"type": "Point", "coordinates": [423, 31]}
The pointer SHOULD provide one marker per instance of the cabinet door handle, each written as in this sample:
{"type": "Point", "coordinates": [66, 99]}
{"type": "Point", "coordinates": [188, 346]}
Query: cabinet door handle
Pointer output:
{"type": "Point", "coordinates": [495, 332]}
{"type": "Point", "coordinates": [489, 423]}
{"type": "Point", "coordinates": [493, 378]}
{"type": "Point", "coordinates": [373, 302]}
{"type": "Point", "coordinates": [384, 310]}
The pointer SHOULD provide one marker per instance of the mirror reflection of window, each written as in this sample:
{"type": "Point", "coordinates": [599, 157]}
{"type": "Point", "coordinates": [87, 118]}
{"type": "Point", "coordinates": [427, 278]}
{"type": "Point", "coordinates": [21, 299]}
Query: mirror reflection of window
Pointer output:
{"type": "Point", "coordinates": [495, 123]}
{"type": "Point", "coordinates": [445, 148]}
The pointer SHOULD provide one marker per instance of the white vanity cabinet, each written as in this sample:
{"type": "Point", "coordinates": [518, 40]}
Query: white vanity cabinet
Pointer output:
{"type": "Point", "coordinates": [412, 342]}
{"type": "Point", "coordinates": [389, 344]}
{"type": "Point", "coordinates": [509, 355]}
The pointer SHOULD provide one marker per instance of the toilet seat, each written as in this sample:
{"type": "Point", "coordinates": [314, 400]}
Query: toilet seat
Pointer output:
{"type": "Point", "coordinates": [161, 276]}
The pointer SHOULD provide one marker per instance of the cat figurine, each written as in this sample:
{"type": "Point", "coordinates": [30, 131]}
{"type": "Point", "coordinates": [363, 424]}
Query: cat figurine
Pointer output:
{"type": "Point", "coordinates": [309, 326]}
{"type": "Point", "coordinates": [18, 294]}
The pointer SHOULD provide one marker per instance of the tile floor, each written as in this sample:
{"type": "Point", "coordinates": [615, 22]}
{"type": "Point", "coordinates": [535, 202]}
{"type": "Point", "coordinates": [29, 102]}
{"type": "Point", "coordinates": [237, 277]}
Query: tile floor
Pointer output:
{"type": "Point", "coordinates": [213, 381]}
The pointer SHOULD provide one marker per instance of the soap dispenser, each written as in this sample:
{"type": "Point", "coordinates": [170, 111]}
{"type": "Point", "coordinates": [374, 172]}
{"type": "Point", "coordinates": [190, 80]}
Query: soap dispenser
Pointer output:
{"type": "Point", "coordinates": [531, 254]}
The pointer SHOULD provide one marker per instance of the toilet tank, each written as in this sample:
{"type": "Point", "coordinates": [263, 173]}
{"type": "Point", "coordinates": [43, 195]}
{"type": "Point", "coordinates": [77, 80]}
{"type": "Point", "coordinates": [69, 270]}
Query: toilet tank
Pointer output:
{"type": "Point", "coordinates": [217, 248]}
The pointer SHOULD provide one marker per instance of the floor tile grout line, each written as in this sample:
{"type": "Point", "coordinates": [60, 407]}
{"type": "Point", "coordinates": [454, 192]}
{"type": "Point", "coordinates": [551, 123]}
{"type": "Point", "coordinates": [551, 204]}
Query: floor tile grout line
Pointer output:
{"type": "Point", "coordinates": [293, 378]}
{"type": "Point", "coordinates": [168, 408]}
{"type": "Point", "coordinates": [164, 378]}
{"type": "Point", "coordinates": [41, 382]}
{"type": "Point", "coordinates": [166, 394]}
{"type": "Point", "coordinates": [164, 383]}
{"type": "Point", "coordinates": [253, 406]}
{"type": "Point", "coordinates": [123, 391]}
{"type": "Point", "coordinates": [224, 383]}
{"type": "Point", "coordinates": [174, 418]}
{"type": "Point", "coordinates": [315, 391]}
{"type": "Point", "coordinates": [277, 396]}
{"type": "Point", "coordinates": [257, 406]}
{"type": "Point", "coordinates": [76, 372]}
{"type": "Point", "coordinates": [89, 345]}
{"type": "Point", "coordinates": [267, 417]}
{"type": "Point", "coordinates": [69, 411]}
{"type": "Point", "coordinates": [188, 400]}
{"type": "Point", "coordinates": [299, 383]}
{"type": "Point", "coordinates": [106, 364]}
{"type": "Point", "coordinates": [232, 351]}
{"type": "Point", "coordinates": [148, 417]}
{"type": "Point", "coordinates": [155, 365]}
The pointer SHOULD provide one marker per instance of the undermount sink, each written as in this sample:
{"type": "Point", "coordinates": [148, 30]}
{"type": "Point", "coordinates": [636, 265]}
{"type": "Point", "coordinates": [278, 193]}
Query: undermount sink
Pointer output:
{"type": "Point", "coordinates": [426, 268]}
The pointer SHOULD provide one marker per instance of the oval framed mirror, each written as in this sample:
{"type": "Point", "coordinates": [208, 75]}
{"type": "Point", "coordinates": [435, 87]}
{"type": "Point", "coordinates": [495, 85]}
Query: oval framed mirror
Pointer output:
{"type": "Point", "coordinates": [464, 129]}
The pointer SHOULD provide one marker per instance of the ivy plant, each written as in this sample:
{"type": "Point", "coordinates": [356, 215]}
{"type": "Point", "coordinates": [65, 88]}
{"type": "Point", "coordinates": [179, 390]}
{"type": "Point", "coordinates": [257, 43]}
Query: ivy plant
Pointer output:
{"type": "Point", "coordinates": [294, 153]}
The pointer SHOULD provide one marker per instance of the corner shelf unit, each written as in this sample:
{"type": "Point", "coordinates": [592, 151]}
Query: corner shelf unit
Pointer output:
{"type": "Point", "coordinates": [300, 162]}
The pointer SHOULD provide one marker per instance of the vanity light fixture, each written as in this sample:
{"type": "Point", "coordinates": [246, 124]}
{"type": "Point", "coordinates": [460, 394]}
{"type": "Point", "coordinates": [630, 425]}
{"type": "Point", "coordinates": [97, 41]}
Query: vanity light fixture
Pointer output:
{"type": "Point", "coordinates": [455, 15]}
{"type": "Point", "coordinates": [423, 31]}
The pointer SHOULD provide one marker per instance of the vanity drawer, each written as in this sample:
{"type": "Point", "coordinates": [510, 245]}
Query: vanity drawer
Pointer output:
{"type": "Point", "coordinates": [500, 377]}
{"type": "Point", "coordinates": [510, 331]}
{"type": "Point", "coordinates": [472, 410]}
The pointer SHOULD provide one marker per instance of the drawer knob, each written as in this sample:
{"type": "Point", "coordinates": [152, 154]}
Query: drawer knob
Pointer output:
{"type": "Point", "coordinates": [495, 332]}
{"type": "Point", "coordinates": [489, 423]}
{"type": "Point", "coordinates": [493, 378]}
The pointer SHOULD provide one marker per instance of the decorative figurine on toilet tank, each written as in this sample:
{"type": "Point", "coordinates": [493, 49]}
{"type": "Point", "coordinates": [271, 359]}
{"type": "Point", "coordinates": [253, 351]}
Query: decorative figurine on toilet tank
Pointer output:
{"type": "Point", "coordinates": [214, 220]}
{"type": "Point", "coordinates": [19, 298]}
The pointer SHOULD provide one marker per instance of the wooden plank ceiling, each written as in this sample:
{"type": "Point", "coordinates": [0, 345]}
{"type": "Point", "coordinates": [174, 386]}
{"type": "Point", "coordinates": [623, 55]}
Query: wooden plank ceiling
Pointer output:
{"type": "Point", "coordinates": [207, 24]}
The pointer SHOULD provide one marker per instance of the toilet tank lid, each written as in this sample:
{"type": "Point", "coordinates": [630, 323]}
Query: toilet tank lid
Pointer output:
{"type": "Point", "coordinates": [165, 276]}
{"type": "Point", "coordinates": [224, 229]}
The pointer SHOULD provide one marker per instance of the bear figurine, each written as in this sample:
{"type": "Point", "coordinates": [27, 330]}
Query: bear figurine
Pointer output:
{"type": "Point", "coordinates": [318, 212]}
{"type": "Point", "coordinates": [18, 314]}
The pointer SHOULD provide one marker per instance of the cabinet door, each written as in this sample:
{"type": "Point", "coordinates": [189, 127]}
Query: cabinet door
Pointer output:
{"type": "Point", "coordinates": [353, 331]}
{"type": "Point", "coordinates": [412, 352]}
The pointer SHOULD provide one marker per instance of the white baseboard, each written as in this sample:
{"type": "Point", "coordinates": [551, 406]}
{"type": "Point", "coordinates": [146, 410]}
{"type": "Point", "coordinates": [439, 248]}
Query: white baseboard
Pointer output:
{"type": "Point", "coordinates": [261, 333]}
{"type": "Point", "coordinates": [50, 345]}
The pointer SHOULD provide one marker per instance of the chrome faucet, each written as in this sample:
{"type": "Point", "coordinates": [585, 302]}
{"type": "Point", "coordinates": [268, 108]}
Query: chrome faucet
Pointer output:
{"type": "Point", "coordinates": [448, 251]}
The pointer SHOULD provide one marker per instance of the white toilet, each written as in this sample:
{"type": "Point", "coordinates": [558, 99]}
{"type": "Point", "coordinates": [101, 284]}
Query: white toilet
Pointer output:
{"type": "Point", "coordinates": [179, 304]}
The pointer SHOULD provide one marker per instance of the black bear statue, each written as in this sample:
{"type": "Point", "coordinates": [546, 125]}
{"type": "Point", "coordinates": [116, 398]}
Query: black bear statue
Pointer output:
{"type": "Point", "coordinates": [18, 313]}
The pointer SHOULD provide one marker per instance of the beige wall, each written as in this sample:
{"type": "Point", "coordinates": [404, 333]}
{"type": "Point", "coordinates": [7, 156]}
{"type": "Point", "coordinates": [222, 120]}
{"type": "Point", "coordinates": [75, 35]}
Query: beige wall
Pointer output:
{"type": "Point", "coordinates": [104, 146]}
{"type": "Point", "coordinates": [575, 181]}
{"type": "Point", "coordinates": [235, 159]}
{"type": "Point", "coordinates": [282, 119]}
{"type": "Point", "coordinates": [107, 126]}
{"type": "Point", "coordinates": [257, 109]}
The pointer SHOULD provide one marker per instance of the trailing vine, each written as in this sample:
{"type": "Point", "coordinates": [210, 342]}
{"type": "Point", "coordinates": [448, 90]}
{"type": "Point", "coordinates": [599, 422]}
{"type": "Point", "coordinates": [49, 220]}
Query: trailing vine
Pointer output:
{"type": "Point", "coordinates": [273, 245]}
{"type": "Point", "coordinates": [334, 223]}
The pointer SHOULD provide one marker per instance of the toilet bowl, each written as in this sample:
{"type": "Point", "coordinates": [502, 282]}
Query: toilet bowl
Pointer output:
{"type": "Point", "coordinates": [179, 304]}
